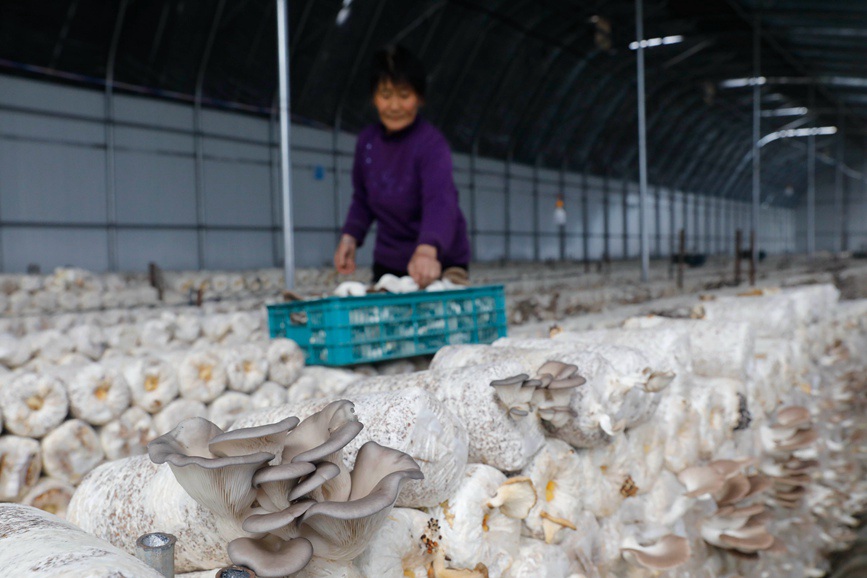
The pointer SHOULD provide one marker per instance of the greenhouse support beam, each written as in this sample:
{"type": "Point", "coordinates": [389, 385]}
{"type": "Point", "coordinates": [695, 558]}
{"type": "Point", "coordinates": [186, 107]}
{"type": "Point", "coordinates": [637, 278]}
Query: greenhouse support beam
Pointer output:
{"type": "Point", "coordinates": [642, 145]}
{"type": "Point", "coordinates": [285, 144]}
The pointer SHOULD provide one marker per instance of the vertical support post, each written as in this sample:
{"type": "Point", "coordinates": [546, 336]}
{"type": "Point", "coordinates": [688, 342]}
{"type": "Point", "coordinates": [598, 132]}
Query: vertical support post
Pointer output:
{"type": "Point", "coordinates": [738, 239]}
{"type": "Point", "coordinates": [585, 223]}
{"type": "Point", "coordinates": [657, 213]}
{"type": "Point", "coordinates": [753, 258]}
{"type": "Point", "coordinates": [274, 181]}
{"type": "Point", "coordinates": [508, 206]}
{"type": "Point", "coordinates": [562, 227]}
{"type": "Point", "coordinates": [811, 194]}
{"type": "Point", "coordinates": [681, 257]}
{"type": "Point", "coordinates": [110, 175]}
{"type": "Point", "coordinates": [671, 215]}
{"type": "Point", "coordinates": [757, 112]}
{"type": "Point", "coordinates": [335, 161]}
{"type": "Point", "coordinates": [285, 144]}
{"type": "Point", "coordinates": [642, 146]}
{"type": "Point", "coordinates": [624, 187]}
{"type": "Point", "coordinates": [474, 153]}
{"type": "Point", "coordinates": [606, 248]}
{"type": "Point", "coordinates": [838, 183]}
{"type": "Point", "coordinates": [536, 251]}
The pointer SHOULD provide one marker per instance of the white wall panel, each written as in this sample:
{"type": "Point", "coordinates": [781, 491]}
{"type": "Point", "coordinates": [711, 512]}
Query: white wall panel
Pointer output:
{"type": "Point", "coordinates": [237, 194]}
{"type": "Point", "coordinates": [238, 250]}
{"type": "Point", "coordinates": [170, 249]}
{"type": "Point", "coordinates": [36, 127]}
{"type": "Point", "coordinates": [155, 189]}
{"type": "Point", "coordinates": [232, 124]}
{"type": "Point", "coordinates": [155, 140]}
{"type": "Point", "coordinates": [151, 112]}
{"type": "Point", "coordinates": [54, 247]}
{"type": "Point", "coordinates": [52, 183]}
{"type": "Point", "coordinates": [51, 97]}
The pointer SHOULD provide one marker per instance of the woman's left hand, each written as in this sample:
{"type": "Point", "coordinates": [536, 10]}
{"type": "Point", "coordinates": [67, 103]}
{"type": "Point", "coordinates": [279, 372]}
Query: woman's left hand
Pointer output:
{"type": "Point", "coordinates": [424, 267]}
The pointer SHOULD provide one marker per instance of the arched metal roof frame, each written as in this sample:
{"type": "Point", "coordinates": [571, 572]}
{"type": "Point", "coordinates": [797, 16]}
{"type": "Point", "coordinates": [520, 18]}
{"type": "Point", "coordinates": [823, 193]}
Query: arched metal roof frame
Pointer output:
{"type": "Point", "coordinates": [161, 46]}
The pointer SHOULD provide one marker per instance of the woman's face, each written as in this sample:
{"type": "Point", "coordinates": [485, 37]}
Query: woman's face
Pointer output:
{"type": "Point", "coordinates": [397, 105]}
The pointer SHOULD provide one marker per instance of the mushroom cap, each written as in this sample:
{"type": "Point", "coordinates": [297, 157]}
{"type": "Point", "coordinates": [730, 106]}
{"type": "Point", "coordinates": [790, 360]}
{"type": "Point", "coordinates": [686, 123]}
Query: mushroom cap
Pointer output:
{"type": "Point", "coordinates": [730, 468]}
{"type": "Point", "coordinates": [658, 381]}
{"type": "Point", "coordinates": [513, 380]}
{"type": "Point", "coordinates": [668, 552]}
{"type": "Point", "coordinates": [567, 382]}
{"type": "Point", "coordinates": [247, 440]}
{"type": "Point", "coordinates": [275, 482]}
{"type": "Point", "coordinates": [274, 521]}
{"type": "Point", "coordinates": [758, 483]}
{"type": "Point", "coordinates": [324, 472]}
{"type": "Point", "coordinates": [515, 497]}
{"type": "Point", "coordinates": [271, 560]}
{"type": "Point", "coordinates": [322, 434]}
{"type": "Point", "coordinates": [733, 490]}
{"type": "Point", "coordinates": [793, 416]}
{"type": "Point", "coordinates": [700, 480]}
{"type": "Point", "coordinates": [189, 438]}
{"type": "Point", "coordinates": [801, 439]}
{"type": "Point", "coordinates": [748, 539]}
{"type": "Point", "coordinates": [742, 512]}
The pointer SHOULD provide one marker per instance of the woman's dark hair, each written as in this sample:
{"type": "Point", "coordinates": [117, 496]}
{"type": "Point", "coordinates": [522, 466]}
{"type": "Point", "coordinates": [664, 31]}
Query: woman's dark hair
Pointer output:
{"type": "Point", "coordinates": [398, 65]}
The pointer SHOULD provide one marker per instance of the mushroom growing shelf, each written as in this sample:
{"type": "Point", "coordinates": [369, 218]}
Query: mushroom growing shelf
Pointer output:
{"type": "Point", "coordinates": [339, 331]}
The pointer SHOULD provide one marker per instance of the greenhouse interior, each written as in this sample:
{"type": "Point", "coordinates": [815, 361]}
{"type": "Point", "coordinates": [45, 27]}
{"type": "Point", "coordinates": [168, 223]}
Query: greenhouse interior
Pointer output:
{"type": "Point", "coordinates": [586, 281]}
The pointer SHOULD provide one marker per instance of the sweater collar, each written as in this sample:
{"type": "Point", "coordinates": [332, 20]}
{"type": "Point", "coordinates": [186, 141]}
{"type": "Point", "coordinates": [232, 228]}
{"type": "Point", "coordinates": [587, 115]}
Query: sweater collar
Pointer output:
{"type": "Point", "coordinates": [402, 133]}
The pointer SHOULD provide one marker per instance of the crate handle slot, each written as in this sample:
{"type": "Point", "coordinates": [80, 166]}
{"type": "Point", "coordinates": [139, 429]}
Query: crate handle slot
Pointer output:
{"type": "Point", "coordinates": [298, 318]}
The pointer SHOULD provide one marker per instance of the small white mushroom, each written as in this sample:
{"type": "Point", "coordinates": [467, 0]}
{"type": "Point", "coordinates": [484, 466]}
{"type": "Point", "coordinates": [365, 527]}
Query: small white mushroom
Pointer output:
{"type": "Point", "coordinates": [202, 376]}
{"type": "Point", "coordinates": [515, 497]}
{"type": "Point", "coordinates": [50, 495]}
{"type": "Point", "coordinates": [71, 451]}
{"type": "Point", "coordinates": [98, 395]}
{"type": "Point", "coordinates": [128, 435]}
{"type": "Point", "coordinates": [401, 547]}
{"type": "Point", "coordinates": [700, 480]}
{"type": "Point", "coordinates": [20, 466]}
{"type": "Point", "coordinates": [33, 405]}
{"type": "Point", "coordinates": [350, 289]}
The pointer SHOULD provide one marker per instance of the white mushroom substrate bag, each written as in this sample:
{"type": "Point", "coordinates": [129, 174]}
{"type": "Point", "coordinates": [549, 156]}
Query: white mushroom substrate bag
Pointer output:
{"type": "Point", "coordinates": [40, 545]}
{"type": "Point", "coordinates": [318, 382]}
{"type": "Point", "coordinates": [97, 393]}
{"type": "Point", "coordinates": [615, 393]}
{"type": "Point", "coordinates": [718, 348]}
{"type": "Point", "coordinates": [495, 438]}
{"type": "Point", "coordinates": [285, 361]}
{"type": "Point", "coordinates": [15, 351]}
{"type": "Point", "coordinates": [20, 466]}
{"type": "Point", "coordinates": [228, 407]}
{"type": "Point", "coordinates": [152, 380]}
{"type": "Point", "coordinates": [778, 313]}
{"type": "Point", "coordinates": [88, 340]}
{"type": "Point", "coordinates": [411, 420]}
{"type": "Point", "coordinates": [246, 367]}
{"type": "Point", "coordinates": [32, 404]}
{"type": "Point", "coordinates": [128, 435]}
{"type": "Point", "coordinates": [397, 549]}
{"type": "Point", "coordinates": [123, 499]}
{"type": "Point", "coordinates": [202, 375]}
{"type": "Point", "coordinates": [536, 559]}
{"type": "Point", "coordinates": [176, 412]}
{"type": "Point", "coordinates": [71, 451]}
{"type": "Point", "coordinates": [472, 532]}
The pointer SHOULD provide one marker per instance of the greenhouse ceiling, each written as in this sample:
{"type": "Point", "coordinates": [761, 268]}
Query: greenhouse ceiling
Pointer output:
{"type": "Point", "coordinates": [547, 82]}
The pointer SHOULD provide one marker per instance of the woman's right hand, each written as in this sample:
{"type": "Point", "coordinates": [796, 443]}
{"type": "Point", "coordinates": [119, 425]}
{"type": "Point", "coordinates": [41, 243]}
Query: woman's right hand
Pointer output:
{"type": "Point", "coordinates": [344, 255]}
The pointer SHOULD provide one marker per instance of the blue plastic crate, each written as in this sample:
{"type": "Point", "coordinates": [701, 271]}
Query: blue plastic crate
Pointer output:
{"type": "Point", "coordinates": [347, 330]}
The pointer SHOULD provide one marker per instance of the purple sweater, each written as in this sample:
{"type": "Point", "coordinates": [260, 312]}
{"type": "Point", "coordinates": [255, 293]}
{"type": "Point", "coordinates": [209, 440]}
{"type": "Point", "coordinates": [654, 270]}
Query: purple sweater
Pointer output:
{"type": "Point", "coordinates": [404, 181]}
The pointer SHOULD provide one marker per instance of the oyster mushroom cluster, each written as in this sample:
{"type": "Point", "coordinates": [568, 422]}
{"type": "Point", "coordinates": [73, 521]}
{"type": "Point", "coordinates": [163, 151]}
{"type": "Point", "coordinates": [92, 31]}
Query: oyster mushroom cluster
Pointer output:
{"type": "Point", "coordinates": [283, 490]}
{"type": "Point", "coordinates": [547, 394]}
{"type": "Point", "coordinates": [789, 443]}
{"type": "Point", "coordinates": [739, 524]}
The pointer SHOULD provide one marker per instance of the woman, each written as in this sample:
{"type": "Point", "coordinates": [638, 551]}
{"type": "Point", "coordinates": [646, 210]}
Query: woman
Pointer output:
{"type": "Point", "coordinates": [402, 178]}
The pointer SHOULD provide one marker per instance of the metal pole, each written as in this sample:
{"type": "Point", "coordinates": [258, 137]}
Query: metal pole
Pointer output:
{"type": "Point", "coordinates": [605, 227]}
{"type": "Point", "coordinates": [285, 144]}
{"type": "Point", "coordinates": [536, 209]}
{"type": "Point", "coordinates": [757, 112]}
{"type": "Point", "coordinates": [642, 146]}
{"type": "Point", "coordinates": [624, 217]}
{"type": "Point", "coordinates": [811, 194]}
{"type": "Point", "coordinates": [508, 205]}
{"type": "Point", "coordinates": [838, 182]}
{"type": "Point", "coordinates": [585, 223]}
{"type": "Point", "coordinates": [473, 230]}
{"type": "Point", "coordinates": [562, 227]}
{"type": "Point", "coordinates": [157, 550]}
{"type": "Point", "coordinates": [110, 166]}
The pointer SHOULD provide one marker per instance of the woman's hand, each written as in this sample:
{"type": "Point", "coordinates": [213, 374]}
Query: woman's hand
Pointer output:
{"type": "Point", "coordinates": [344, 255]}
{"type": "Point", "coordinates": [424, 267]}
